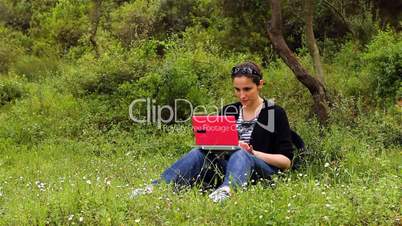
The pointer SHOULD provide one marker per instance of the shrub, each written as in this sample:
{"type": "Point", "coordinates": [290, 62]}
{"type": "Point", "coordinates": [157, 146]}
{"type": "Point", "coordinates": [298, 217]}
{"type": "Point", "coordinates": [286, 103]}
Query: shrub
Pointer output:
{"type": "Point", "coordinates": [380, 128]}
{"type": "Point", "coordinates": [345, 75]}
{"type": "Point", "coordinates": [116, 66]}
{"type": "Point", "coordinates": [12, 44]}
{"type": "Point", "coordinates": [134, 21]}
{"type": "Point", "coordinates": [7, 57]}
{"type": "Point", "coordinates": [33, 67]}
{"type": "Point", "coordinates": [196, 75]}
{"type": "Point", "coordinates": [384, 64]}
{"type": "Point", "coordinates": [44, 115]}
{"type": "Point", "coordinates": [9, 91]}
{"type": "Point", "coordinates": [66, 23]}
{"type": "Point", "coordinates": [109, 83]}
{"type": "Point", "coordinates": [16, 14]}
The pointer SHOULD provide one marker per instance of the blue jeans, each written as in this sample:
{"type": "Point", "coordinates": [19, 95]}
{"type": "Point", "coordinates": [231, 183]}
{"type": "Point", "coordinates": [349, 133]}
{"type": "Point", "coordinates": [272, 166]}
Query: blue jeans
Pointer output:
{"type": "Point", "coordinates": [199, 166]}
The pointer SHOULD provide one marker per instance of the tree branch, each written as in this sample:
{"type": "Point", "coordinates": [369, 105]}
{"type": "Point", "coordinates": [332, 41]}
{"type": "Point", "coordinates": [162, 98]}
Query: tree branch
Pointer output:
{"type": "Point", "coordinates": [335, 11]}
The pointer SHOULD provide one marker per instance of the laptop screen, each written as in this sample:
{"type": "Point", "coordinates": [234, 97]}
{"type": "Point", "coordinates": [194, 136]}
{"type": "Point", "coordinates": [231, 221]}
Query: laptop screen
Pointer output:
{"type": "Point", "coordinates": [215, 130]}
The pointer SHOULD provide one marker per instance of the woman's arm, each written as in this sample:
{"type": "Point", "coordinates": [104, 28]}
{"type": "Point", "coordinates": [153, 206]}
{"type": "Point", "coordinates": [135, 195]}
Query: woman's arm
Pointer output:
{"type": "Point", "coordinates": [277, 160]}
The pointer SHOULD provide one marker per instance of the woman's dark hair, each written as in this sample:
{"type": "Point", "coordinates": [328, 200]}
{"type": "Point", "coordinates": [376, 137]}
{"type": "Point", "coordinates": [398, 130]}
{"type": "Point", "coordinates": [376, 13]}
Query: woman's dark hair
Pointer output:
{"type": "Point", "coordinates": [248, 69]}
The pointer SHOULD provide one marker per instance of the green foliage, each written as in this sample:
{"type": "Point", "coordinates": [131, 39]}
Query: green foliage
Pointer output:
{"type": "Point", "coordinates": [373, 72]}
{"type": "Point", "coordinates": [182, 75]}
{"type": "Point", "coordinates": [12, 44]}
{"type": "Point", "coordinates": [10, 90]}
{"type": "Point", "coordinates": [384, 64]}
{"type": "Point", "coordinates": [66, 23]}
{"type": "Point", "coordinates": [379, 128]}
{"type": "Point", "coordinates": [364, 27]}
{"type": "Point", "coordinates": [176, 16]}
{"type": "Point", "coordinates": [114, 67]}
{"type": "Point", "coordinates": [245, 25]}
{"type": "Point", "coordinates": [33, 67]}
{"type": "Point", "coordinates": [45, 114]}
{"type": "Point", "coordinates": [133, 21]}
{"type": "Point", "coordinates": [347, 72]}
{"type": "Point", "coordinates": [70, 154]}
{"type": "Point", "coordinates": [16, 14]}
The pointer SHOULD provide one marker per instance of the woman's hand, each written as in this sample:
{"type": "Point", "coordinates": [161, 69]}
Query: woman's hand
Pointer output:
{"type": "Point", "coordinates": [246, 147]}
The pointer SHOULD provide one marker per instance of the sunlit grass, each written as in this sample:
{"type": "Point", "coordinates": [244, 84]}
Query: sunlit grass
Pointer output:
{"type": "Point", "coordinates": [66, 183]}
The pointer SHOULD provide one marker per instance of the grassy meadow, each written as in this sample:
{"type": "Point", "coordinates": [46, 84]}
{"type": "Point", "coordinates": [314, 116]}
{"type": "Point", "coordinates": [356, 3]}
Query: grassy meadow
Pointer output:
{"type": "Point", "coordinates": [70, 154]}
{"type": "Point", "coordinates": [72, 158]}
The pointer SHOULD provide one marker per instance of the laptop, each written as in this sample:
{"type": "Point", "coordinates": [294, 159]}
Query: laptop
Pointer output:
{"type": "Point", "coordinates": [215, 132]}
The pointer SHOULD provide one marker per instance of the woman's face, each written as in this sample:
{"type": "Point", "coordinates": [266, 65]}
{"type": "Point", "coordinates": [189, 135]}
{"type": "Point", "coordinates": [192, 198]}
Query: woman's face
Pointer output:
{"type": "Point", "coordinates": [246, 90]}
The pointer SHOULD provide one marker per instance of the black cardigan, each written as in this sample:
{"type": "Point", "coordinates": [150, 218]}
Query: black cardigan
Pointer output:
{"type": "Point", "coordinates": [268, 138]}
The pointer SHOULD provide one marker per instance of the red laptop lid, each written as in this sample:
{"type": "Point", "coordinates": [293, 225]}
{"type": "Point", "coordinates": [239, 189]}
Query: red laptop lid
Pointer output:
{"type": "Point", "coordinates": [215, 130]}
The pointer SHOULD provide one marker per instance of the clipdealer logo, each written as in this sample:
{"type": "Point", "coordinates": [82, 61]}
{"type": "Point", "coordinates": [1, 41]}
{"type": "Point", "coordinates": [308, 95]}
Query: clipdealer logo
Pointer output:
{"type": "Point", "coordinates": [165, 114]}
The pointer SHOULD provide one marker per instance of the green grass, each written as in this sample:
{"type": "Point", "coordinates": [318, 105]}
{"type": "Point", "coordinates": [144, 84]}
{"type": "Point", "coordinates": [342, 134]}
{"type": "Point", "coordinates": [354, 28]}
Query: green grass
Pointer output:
{"type": "Point", "coordinates": [67, 182]}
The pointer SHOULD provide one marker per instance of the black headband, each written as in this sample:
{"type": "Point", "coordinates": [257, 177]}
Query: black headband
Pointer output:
{"type": "Point", "coordinates": [245, 71]}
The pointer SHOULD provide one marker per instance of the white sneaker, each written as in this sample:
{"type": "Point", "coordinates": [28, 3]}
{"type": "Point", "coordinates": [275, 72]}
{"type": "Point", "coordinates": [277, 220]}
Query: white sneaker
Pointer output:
{"type": "Point", "coordinates": [220, 194]}
{"type": "Point", "coordinates": [142, 191]}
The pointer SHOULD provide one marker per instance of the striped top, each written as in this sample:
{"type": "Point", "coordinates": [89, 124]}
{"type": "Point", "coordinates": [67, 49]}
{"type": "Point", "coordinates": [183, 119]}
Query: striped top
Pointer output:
{"type": "Point", "coordinates": [245, 128]}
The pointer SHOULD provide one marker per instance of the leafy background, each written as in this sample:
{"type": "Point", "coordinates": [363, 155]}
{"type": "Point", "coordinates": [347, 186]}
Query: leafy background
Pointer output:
{"type": "Point", "coordinates": [71, 155]}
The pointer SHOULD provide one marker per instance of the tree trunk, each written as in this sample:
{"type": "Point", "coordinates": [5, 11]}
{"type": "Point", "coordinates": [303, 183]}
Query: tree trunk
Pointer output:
{"type": "Point", "coordinates": [315, 87]}
{"type": "Point", "coordinates": [95, 17]}
{"type": "Point", "coordinates": [311, 42]}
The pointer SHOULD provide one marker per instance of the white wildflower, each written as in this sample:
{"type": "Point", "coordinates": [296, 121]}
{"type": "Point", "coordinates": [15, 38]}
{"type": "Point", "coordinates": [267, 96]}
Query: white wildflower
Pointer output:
{"type": "Point", "coordinates": [70, 217]}
{"type": "Point", "coordinates": [89, 182]}
{"type": "Point", "coordinates": [137, 220]}
{"type": "Point", "coordinates": [81, 219]}
{"type": "Point", "coordinates": [41, 186]}
{"type": "Point", "coordinates": [326, 164]}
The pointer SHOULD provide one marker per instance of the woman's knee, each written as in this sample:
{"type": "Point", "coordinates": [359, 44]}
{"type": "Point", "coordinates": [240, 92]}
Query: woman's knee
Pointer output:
{"type": "Point", "coordinates": [195, 154]}
{"type": "Point", "coordinates": [241, 155]}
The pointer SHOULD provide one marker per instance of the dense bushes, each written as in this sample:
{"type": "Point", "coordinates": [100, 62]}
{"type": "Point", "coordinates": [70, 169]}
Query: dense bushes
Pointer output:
{"type": "Point", "coordinates": [10, 90]}
{"type": "Point", "coordinates": [134, 21]}
{"type": "Point", "coordinates": [383, 63]}
{"type": "Point", "coordinates": [65, 24]}
{"type": "Point", "coordinates": [12, 46]}
{"type": "Point", "coordinates": [34, 68]}
{"type": "Point", "coordinates": [374, 72]}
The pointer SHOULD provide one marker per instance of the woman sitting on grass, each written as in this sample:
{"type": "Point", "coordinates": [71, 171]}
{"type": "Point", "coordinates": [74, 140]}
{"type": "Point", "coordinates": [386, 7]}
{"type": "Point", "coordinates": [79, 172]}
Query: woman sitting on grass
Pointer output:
{"type": "Point", "coordinates": [265, 141]}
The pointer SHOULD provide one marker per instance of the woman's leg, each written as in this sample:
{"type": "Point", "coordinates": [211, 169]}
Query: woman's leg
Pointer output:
{"type": "Point", "coordinates": [195, 166]}
{"type": "Point", "coordinates": [242, 165]}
